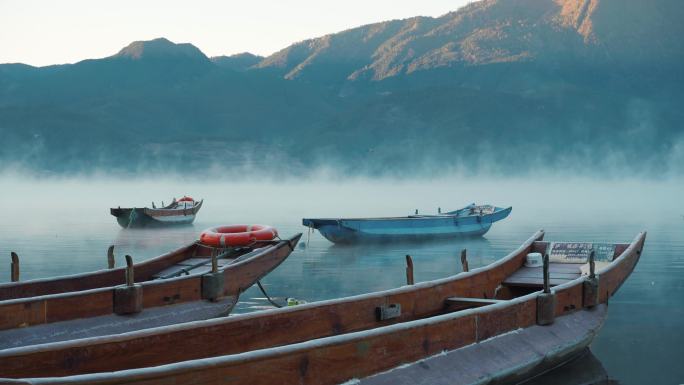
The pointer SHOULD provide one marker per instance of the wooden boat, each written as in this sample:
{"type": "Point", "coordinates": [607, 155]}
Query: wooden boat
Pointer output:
{"type": "Point", "coordinates": [179, 212]}
{"type": "Point", "coordinates": [472, 220]}
{"type": "Point", "coordinates": [191, 283]}
{"type": "Point", "coordinates": [498, 323]}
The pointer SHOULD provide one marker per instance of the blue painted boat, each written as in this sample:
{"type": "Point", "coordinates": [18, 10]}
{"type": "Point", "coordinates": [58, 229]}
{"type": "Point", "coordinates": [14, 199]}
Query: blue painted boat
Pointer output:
{"type": "Point", "coordinates": [472, 220]}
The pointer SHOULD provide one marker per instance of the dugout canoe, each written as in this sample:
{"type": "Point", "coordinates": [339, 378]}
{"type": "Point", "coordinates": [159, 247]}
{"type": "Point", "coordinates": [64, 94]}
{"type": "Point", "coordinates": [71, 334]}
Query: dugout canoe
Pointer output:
{"type": "Point", "coordinates": [494, 324]}
{"type": "Point", "coordinates": [472, 220]}
{"type": "Point", "coordinates": [192, 283]}
{"type": "Point", "coordinates": [178, 212]}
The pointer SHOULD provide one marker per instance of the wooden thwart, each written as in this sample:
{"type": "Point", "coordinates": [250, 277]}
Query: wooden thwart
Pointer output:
{"type": "Point", "coordinates": [534, 276]}
{"type": "Point", "coordinates": [459, 303]}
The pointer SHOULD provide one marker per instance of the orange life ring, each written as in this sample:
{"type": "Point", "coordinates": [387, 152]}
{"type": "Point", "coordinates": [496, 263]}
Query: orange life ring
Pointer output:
{"type": "Point", "coordinates": [237, 235]}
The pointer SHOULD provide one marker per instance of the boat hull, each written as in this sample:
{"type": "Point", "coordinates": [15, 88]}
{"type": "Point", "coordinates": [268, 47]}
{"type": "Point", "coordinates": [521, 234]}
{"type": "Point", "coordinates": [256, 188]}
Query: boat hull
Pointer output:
{"type": "Point", "coordinates": [139, 218]}
{"type": "Point", "coordinates": [354, 339]}
{"type": "Point", "coordinates": [414, 228]}
{"type": "Point", "coordinates": [72, 307]}
{"type": "Point", "coordinates": [508, 358]}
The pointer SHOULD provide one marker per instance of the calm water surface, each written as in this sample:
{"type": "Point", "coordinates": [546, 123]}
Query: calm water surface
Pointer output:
{"type": "Point", "coordinates": [63, 226]}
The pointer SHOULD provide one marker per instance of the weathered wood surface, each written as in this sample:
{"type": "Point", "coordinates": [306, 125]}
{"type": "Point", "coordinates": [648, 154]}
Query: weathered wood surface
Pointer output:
{"type": "Point", "coordinates": [532, 276]}
{"type": "Point", "coordinates": [270, 328]}
{"type": "Point", "coordinates": [342, 339]}
{"type": "Point", "coordinates": [90, 280]}
{"type": "Point", "coordinates": [529, 351]}
{"type": "Point", "coordinates": [113, 324]}
{"type": "Point", "coordinates": [14, 267]}
{"type": "Point", "coordinates": [334, 359]}
{"type": "Point", "coordinates": [238, 276]}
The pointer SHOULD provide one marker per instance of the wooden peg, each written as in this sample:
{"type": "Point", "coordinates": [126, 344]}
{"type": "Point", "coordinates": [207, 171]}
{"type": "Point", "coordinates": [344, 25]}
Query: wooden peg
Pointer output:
{"type": "Point", "coordinates": [464, 260]}
{"type": "Point", "coordinates": [592, 265]}
{"type": "Point", "coordinates": [409, 270]}
{"type": "Point", "coordinates": [547, 288]}
{"type": "Point", "coordinates": [214, 261]}
{"type": "Point", "coordinates": [110, 257]}
{"type": "Point", "coordinates": [14, 267]}
{"type": "Point", "coordinates": [130, 281]}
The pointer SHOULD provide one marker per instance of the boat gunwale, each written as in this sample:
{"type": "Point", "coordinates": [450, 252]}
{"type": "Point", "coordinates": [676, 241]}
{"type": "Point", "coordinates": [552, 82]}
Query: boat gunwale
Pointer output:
{"type": "Point", "coordinates": [156, 212]}
{"type": "Point", "coordinates": [226, 271]}
{"type": "Point", "coordinates": [170, 369]}
{"type": "Point", "coordinates": [151, 282]}
{"type": "Point", "coordinates": [279, 351]}
{"type": "Point", "coordinates": [290, 309]}
{"type": "Point", "coordinates": [412, 217]}
{"type": "Point", "coordinates": [93, 273]}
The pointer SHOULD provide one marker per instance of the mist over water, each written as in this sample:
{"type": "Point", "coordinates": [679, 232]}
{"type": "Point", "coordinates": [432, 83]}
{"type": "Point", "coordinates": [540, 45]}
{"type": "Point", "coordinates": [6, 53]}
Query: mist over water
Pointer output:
{"type": "Point", "coordinates": [62, 226]}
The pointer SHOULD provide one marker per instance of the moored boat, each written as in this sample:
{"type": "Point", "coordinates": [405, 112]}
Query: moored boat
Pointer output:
{"type": "Point", "coordinates": [178, 212]}
{"type": "Point", "coordinates": [473, 220]}
{"type": "Point", "coordinates": [194, 282]}
{"type": "Point", "coordinates": [502, 322]}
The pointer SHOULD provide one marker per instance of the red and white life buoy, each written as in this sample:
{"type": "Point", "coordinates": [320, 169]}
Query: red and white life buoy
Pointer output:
{"type": "Point", "coordinates": [237, 235]}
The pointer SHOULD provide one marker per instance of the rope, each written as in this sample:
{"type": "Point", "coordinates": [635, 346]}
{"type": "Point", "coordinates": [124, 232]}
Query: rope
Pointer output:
{"type": "Point", "coordinates": [308, 234]}
{"type": "Point", "coordinates": [267, 296]}
{"type": "Point", "coordinates": [131, 218]}
{"type": "Point", "coordinates": [289, 242]}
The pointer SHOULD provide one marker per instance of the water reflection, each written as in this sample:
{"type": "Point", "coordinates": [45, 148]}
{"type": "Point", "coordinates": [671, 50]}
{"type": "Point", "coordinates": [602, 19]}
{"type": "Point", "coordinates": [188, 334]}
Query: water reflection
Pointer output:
{"type": "Point", "coordinates": [72, 235]}
{"type": "Point", "coordinates": [587, 369]}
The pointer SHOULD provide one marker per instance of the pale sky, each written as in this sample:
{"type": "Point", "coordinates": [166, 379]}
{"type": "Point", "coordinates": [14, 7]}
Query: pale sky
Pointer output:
{"type": "Point", "coordinates": [66, 31]}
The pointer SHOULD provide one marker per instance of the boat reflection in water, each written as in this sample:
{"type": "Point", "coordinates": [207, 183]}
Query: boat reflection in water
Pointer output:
{"type": "Point", "coordinates": [584, 370]}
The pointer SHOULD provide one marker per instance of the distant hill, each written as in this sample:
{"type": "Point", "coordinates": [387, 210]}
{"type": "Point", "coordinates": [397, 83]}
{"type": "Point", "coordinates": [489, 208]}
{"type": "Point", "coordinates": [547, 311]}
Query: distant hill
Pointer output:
{"type": "Point", "coordinates": [240, 62]}
{"type": "Point", "coordinates": [499, 86]}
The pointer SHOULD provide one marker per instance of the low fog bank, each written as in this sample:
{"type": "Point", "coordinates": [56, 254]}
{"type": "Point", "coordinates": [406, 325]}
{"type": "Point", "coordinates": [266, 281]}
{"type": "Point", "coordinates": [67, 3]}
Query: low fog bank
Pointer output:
{"type": "Point", "coordinates": [328, 196]}
{"type": "Point", "coordinates": [420, 160]}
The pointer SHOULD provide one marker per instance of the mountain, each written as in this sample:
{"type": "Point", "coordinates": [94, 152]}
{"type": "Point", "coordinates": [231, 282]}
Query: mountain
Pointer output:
{"type": "Point", "coordinates": [161, 48]}
{"type": "Point", "coordinates": [502, 86]}
{"type": "Point", "coordinates": [567, 32]}
{"type": "Point", "coordinates": [239, 62]}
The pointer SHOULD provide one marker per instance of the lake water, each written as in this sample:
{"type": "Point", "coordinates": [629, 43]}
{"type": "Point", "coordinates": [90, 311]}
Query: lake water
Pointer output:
{"type": "Point", "coordinates": [63, 226]}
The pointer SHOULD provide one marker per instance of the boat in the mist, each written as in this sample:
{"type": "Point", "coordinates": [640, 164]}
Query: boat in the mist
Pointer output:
{"type": "Point", "coordinates": [178, 212]}
{"type": "Point", "coordinates": [194, 282]}
{"type": "Point", "coordinates": [472, 220]}
{"type": "Point", "coordinates": [501, 323]}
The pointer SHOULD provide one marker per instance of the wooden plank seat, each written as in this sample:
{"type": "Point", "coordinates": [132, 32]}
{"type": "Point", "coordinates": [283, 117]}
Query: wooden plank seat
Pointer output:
{"type": "Point", "coordinates": [559, 273]}
{"type": "Point", "coordinates": [460, 303]}
{"type": "Point", "coordinates": [191, 266]}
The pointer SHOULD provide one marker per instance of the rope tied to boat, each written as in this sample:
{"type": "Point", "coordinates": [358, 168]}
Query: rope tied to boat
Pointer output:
{"type": "Point", "coordinates": [263, 291]}
{"type": "Point", "coordinates": [309, 231]}
{"type": "Point", "coordinates": [131, 217]}
{"type": "Point", "coordinates": [289, 243]}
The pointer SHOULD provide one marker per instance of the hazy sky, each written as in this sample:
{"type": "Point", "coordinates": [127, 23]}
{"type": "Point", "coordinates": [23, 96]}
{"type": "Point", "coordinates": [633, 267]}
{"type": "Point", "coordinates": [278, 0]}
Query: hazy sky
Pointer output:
{"type": "Point", "coordinates": [52, 32]}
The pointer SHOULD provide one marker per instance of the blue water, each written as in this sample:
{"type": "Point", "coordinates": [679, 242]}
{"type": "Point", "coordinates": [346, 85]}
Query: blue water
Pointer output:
{"type": "Point", "coordinates": [63, 226]}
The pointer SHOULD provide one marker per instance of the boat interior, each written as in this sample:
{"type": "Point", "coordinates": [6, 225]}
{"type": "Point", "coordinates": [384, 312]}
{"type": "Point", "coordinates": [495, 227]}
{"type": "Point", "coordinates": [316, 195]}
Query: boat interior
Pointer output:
{"type": "Point", "coordinates": [507, 281]}
{"type": "Point", "coordinates": [184, 203]}
{"type": "Point", "coordinates": [194, 259]}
